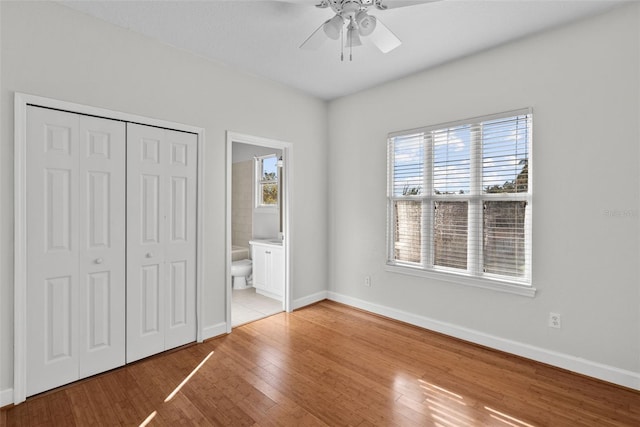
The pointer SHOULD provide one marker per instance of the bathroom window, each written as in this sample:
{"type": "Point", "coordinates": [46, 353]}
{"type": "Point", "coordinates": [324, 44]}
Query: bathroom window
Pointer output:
{"type": "Point", "coordinates": [459, 201]}
{"type": "Point", "coordinates": [267, 182]}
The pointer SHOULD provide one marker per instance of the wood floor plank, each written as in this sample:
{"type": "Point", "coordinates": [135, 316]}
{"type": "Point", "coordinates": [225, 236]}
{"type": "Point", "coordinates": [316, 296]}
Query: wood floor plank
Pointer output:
{"type": "Point", "coordinates": [332, 365]}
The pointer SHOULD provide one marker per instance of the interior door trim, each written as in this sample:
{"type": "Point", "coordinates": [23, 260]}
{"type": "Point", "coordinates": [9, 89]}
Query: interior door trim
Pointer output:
{"type": "Point", "coordinates": [21, 101]}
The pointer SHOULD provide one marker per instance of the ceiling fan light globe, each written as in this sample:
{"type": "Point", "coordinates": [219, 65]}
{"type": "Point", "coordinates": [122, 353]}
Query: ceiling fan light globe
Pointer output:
{"type": "Point", "coordinates": [353, 38]}
{"type": "Point", "coordinates": [366, 23]}
{"type": "Point", "coordinates": [333, 27]}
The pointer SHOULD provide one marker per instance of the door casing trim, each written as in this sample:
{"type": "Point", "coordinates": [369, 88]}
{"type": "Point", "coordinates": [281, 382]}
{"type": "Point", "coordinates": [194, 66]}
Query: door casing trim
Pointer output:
{"type": "Point", "coordinates": [287, 155]}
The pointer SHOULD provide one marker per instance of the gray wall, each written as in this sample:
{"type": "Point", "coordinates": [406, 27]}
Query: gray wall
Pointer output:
{"type": "Point", "coordinates": [53, 51]}
{"type": "Point", "coordinates": [582, 82]}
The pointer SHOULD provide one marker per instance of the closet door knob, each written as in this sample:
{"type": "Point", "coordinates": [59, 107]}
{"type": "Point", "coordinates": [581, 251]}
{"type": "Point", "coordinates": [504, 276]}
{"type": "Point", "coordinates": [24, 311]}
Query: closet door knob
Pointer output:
{"type": "Point", "coordinates": [98, 261]}
{"type": "Point", "coordinates": [149, 254]}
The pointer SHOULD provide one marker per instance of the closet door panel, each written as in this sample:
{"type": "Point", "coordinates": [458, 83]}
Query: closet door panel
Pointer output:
{"type": "Point", "coordinates": [180, 249]}
{"type": "Point", "coordinates": [161, 239]}
{"type": "Point", "coordinates": [102, 149]}
{"type": "Point", "coordinates": [145, 242]}
{"type": "Point", "coordinates": [52, 249]}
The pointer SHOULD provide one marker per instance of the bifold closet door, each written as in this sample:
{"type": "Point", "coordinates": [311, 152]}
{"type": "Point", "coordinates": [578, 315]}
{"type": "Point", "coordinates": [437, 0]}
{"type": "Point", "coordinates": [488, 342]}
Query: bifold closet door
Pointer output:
{"type": "Point", "coordinates": [161, 239]}
{"type": "Point", "coordinates": [75, 247]}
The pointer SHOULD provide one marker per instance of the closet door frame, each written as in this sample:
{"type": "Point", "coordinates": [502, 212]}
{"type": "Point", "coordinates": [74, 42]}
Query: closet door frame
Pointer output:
{"type": "Point", "coordinates": [21, 101]}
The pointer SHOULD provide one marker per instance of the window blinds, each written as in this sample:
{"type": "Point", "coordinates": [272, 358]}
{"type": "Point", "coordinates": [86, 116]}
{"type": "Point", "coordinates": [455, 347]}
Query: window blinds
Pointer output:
{"type": "Point", "coordinates": [505, 155]}
{"type": "Point", "coordinates": [505, 172]}
{"type": "Point", "coordinates": [459, 197]}
{"type": "Point", "coordinates": [407, 186]}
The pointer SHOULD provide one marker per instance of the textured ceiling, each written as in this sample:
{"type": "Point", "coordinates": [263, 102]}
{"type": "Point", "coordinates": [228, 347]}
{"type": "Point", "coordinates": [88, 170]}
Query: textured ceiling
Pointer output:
{"type": "Point", "coordinates": [262, 37]}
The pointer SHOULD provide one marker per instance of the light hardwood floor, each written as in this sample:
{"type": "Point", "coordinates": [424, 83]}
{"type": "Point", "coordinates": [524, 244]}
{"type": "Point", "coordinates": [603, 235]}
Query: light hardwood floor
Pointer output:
{"type": "Point", "coordinates": [330, 364]}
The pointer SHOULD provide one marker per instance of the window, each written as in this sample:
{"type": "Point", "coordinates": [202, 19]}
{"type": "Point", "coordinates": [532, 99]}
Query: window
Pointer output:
{"type": "Point", "coordinates": [267, 185]}
{"type": "Point", "coordinates": [459, 199]}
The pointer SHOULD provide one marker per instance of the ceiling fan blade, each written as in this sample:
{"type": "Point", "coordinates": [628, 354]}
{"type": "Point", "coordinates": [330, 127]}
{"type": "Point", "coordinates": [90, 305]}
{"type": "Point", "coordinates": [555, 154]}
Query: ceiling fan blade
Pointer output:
{"type": "Point", "coordinates": [383, 38]}
{"type": "Point", "coordinates": [315, 40]}
{"type": "Point", "coordinates": [393, 4]}
{"type": "Point", "coordinates": [317, 3]}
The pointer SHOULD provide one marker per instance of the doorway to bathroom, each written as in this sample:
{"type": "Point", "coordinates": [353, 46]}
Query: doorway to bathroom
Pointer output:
{"type": "Point", "coordinates": [258, 243]}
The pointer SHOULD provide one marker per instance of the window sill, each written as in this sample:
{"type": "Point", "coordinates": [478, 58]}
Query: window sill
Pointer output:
{"type": "Point", "coordinates": [478, 282]}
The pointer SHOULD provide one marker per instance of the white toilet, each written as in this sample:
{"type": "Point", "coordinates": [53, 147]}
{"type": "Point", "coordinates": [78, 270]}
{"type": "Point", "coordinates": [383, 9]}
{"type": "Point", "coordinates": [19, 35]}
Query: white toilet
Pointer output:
{"type": "Point", "coordinates": [240, 270]}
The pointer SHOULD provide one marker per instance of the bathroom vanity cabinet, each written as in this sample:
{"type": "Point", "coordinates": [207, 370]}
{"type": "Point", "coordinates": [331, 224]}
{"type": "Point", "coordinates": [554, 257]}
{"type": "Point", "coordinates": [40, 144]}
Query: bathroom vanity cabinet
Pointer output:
{"type": "Point", "coordinates": [268, 268]}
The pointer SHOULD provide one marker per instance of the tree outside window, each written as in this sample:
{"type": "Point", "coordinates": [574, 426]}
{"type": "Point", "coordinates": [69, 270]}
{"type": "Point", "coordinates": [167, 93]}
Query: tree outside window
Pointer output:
{"type": "Point", "coordinates": [267, 188]}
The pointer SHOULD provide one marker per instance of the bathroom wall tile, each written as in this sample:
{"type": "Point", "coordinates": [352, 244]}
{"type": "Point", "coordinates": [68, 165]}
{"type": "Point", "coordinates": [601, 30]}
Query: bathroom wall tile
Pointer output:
{"type": "Point", "coordinates": [242, 201]}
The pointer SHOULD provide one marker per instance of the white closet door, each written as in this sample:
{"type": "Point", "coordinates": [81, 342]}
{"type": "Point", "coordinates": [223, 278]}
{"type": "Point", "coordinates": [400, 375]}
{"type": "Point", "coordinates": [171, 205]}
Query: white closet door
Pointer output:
{"type": "Point", "coordinates": [180, 247]}
{"type": "Point", "coordinates": [161, 239]}
{"type": "Point", "coordinates": [73, 323]}
{"type": "Point", "coordinates": [102, 245]}
{"type": "Point", "coordinates": [52, 249]}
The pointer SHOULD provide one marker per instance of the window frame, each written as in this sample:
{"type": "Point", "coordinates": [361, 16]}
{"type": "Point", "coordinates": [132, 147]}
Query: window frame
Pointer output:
{"type": "Point", "coordinates": [258, 182]}
{"type": "Point", "coordinates": [474, 274]}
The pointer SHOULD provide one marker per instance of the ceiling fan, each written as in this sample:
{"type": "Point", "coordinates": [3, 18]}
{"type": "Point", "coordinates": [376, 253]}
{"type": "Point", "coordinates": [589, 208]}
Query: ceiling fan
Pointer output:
{"type": "Point", "coordinates": [352, 21]}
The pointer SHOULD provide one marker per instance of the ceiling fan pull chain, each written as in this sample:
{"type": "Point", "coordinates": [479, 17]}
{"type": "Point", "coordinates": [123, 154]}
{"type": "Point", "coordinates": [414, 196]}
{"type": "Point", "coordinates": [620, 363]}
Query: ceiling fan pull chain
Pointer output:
{"type": "Point", "coordinates": [342, 44]}
{"type": "Point", "coordinates": [350, 39]}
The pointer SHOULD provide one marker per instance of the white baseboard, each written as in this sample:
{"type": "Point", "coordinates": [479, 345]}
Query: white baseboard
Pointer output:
{"type": "Point", "coordinates": [6, 397]}
{"type": "Point", "coordinates": [308, 300]}
{"type": "Point", "coordinates": [214, 330]}
{"type": "Point", "coordinates": [268, 294]}
{"type": "Point", "coordinates": [575, 364]}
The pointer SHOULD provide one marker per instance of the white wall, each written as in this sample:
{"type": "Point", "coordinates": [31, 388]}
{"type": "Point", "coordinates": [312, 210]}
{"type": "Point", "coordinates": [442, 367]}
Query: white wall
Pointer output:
{"type": "Point", "coordinates": [266, 223]}
{"type": "Point", "coordinates": [583, 84]}
{"type": "Point", "coordinates": [52, 51]}
{"type": "Point", "coordinates": [243, 152]}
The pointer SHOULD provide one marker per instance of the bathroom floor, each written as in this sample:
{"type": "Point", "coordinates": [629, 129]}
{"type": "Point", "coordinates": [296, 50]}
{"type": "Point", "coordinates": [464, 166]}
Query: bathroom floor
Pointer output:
{"type": "Point", "coordinates": [247, 306]}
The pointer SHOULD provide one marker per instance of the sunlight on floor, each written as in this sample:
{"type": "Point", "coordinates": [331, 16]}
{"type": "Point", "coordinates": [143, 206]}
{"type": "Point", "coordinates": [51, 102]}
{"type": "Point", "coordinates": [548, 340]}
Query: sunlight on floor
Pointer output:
{"type": "Point", "coordinates": [449, 409]}
{"type": "Point", "coordinates": [440, 390]}
{"type": "Point", "coordinates": [500, 416]}
{"type": "Point", "coordinates": [148, 419]}
{"type": "Point", "coordinates": [177, 389]}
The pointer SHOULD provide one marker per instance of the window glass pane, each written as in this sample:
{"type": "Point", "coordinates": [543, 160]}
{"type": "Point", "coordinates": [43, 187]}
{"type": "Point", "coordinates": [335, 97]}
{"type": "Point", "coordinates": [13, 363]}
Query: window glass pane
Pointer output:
{"type": "Point", "coordinates": [268, 181]}
{"type": "Point", "coordinates": [407, 230]}
{"type": "Point", "coordinates": [504, 237]}
{"type": "Point", "coordinates": [450, 234]}
{"type": "Point", "coordinates": [269, 194]}
{"type": "Point", "coordinates": [505, 155]}
{"type": "Point", "coordinates": [451, 160]}
{"type": "Point", "coordinates": [408, 165]}
{"type": "Point", "coordinates": [269, 169]}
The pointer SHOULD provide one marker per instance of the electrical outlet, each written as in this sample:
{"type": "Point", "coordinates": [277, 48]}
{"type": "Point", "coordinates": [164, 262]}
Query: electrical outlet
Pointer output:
{"type": "Point", "coordinates": [555, 321]}
{"type": "Point", "coordinates": [367, 281]}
